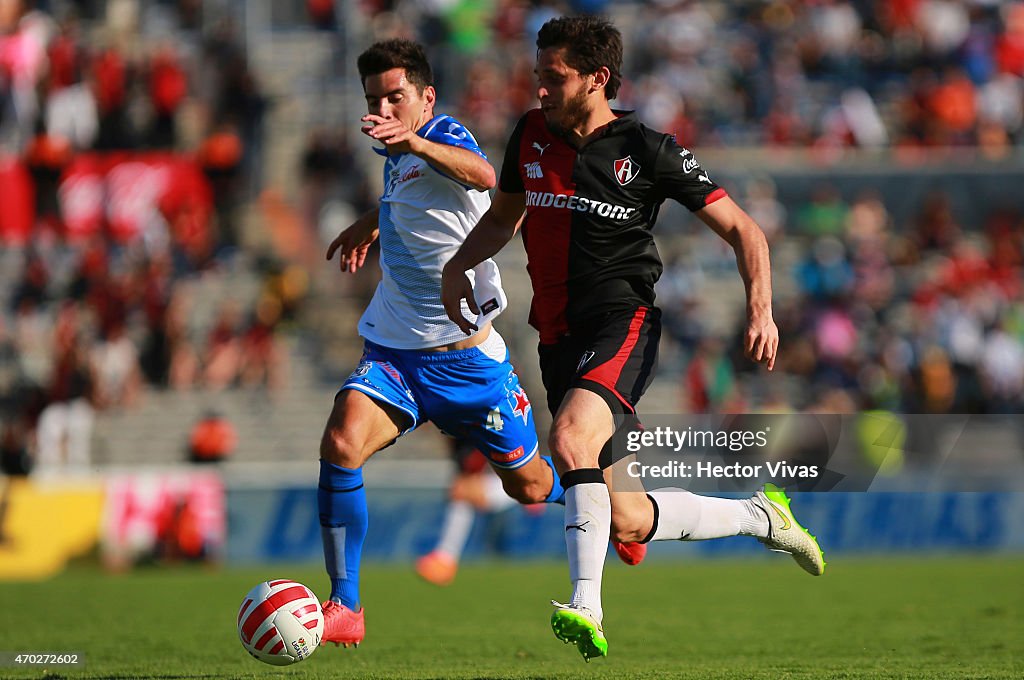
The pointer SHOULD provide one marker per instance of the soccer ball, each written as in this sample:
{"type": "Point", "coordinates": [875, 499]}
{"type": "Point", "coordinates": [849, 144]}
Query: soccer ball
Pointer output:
{"type": "Point", "coordinates": [280, 622]}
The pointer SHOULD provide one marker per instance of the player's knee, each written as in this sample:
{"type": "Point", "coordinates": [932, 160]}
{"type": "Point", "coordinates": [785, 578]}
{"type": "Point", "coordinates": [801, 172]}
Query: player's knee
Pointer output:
{"type": "Point", "coordinates": [340, 448]}
{"type": "Point", "coordinates": [566, 450]}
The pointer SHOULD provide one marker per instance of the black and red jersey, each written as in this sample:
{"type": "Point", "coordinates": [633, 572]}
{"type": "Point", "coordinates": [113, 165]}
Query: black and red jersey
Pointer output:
{"type": "Point", "coordinates": [589, 215]}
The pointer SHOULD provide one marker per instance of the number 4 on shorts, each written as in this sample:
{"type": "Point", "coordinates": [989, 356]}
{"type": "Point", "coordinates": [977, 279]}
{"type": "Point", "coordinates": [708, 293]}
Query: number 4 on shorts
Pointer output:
{"type": "Point", "coordinates": [494, 421]}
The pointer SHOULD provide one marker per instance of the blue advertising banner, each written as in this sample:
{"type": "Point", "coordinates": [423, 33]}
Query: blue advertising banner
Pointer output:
{"type": "Point", "coordinates": [282, 524]}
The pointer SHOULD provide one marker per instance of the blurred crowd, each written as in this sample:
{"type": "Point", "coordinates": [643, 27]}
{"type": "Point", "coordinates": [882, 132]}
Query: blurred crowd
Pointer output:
{"type": "Point", "coordinates": [923, 317]}
{"type": "Point", "coordinates": [864, 73]}
{"type": "Point", "coordinates": [129, 137]}
{"type": "Point", "coordinates": [123, 77]}
{"type": "Point", "coordinates": [920, 315]}
{"type": "Point", "coordinates": [95, 328]}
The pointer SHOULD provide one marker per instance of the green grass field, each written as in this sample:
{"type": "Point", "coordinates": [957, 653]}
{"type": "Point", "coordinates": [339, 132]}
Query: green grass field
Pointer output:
{"type": "Point", "coordinates": [929, 618]}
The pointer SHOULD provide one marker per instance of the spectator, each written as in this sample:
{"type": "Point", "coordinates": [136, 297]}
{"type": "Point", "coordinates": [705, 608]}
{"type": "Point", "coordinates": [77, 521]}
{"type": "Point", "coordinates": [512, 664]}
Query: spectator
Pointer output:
{"type": "Point", "coordinates": [116, 376]}
{"type": "Point", "coordinates": [1002, 370]}
{"type": "Point", "coordinates": [825, 214]}
{"type": "Point", "coordinates": [263, 362]}
{"type": "Point", "coordinates": [65, 424]}
{"type": "Point", "coordinates": [936, 228]}
{"type": "Point", "coordinates": [212, 440]}
{"type": "Point", "coordinates": [220, 156]}
{"type": "Point", "coordinates": [168, 86]}
{"type": "Point", "coordinates": [222, 356]}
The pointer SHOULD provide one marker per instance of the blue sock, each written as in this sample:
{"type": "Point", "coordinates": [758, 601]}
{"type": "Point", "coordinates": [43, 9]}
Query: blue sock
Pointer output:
{"type": "Point", "coordinates": [557, 494]}
{"type": "Point", "coordinates": [343, 521]}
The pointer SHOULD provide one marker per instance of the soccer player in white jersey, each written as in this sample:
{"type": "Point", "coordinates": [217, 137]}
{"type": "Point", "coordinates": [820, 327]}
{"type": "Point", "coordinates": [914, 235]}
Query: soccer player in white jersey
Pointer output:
{"type": "Point", "coordinates": [417, 365]}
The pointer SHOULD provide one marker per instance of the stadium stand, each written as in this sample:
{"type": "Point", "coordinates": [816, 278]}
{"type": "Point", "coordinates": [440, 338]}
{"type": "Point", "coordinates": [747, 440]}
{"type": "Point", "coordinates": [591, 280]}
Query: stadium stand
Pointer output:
{"type": "Point", "coordinates": [877, 143]}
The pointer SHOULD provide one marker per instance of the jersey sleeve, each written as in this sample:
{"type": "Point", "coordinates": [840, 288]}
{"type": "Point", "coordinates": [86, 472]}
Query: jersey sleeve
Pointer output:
{"type": "Point", "coordinates": [449, 131]}
{"type": "Point", "coordinates": [681, 178]}
{"type": "Point", "coordinates": [511, 182]}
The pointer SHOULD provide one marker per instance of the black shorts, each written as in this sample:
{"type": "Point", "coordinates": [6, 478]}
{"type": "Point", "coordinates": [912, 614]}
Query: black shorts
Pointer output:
{"type": "Point", "coordinates": [613, 356]}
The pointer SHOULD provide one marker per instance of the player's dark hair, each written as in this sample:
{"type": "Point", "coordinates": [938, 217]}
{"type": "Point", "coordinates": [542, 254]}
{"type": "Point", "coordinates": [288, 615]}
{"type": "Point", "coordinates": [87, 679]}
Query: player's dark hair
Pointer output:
{"type": "Point", "coordinates": [388, 54]}
{"type": "Point", "coordinates": [591, 42]}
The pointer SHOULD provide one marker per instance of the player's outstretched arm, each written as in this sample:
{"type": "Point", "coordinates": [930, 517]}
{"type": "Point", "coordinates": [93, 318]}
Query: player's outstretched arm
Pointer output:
{"type": "Point", "coordinates": [496, 228]}
{"type": "Point", "coordinates": [460, 164]}
{"type": "Point", "coordinates": [738, 229]}
{"type": "Point", "coordinates": [354, 242]}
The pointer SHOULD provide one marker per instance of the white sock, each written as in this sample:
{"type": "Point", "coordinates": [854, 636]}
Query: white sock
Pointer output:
{"type": "Point", "coordinates": [588, 519]}
{"type": "Point", "coordinates": [458, 521]}
{"type": "Point", "coordinates": [685, 516]}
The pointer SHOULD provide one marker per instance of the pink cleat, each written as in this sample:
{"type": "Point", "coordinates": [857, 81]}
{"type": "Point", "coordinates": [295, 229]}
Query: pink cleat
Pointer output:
{"type": "Point", "coordinates": [630, 553]}
{"type": "Point", "coordinates": [437, 567]}
{"type": "Point", "coordinates": [342, 626]}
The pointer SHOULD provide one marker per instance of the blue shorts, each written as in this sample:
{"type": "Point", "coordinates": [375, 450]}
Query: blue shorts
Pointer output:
{"type": "Point", "coordinates": [471, 394]}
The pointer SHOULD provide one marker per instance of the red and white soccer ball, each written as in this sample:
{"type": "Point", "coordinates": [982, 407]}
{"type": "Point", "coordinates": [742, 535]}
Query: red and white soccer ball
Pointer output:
{"type": "Point", "coordinates": [280, 622]}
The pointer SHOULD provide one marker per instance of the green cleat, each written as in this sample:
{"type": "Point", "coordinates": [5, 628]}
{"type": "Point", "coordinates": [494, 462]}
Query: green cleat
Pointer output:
{"type": "Point", "coordinates": [579, 626]}
{"type": "Point", "coordinates": [785, 534]}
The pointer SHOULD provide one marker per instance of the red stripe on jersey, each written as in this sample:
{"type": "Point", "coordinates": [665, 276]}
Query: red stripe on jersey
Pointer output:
{"type": "Point", "coordinates": [267, 637]}
{"type": "Point", "coordinates": [245, 605]}
{"type": "Point", "coordinates": [302, 611]}
{"type": "Point", "coordinates": [269, 606]}
{"type": "Point", "coordinates": [607, 374]}
{"type": "Point", "coordinates": [714, 196]}
{"type": "Point", "coordinates": [547, 229]}
{"type": "Point", "coordinates": [278, 647]}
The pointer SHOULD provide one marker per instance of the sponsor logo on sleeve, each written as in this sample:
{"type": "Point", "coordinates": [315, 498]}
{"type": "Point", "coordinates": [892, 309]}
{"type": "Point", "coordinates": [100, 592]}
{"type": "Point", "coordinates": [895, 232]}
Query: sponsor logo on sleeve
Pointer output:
{"type": "Point", "coordinates": [508, 457]}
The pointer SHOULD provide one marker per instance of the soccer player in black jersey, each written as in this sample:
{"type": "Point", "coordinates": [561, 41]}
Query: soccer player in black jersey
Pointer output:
{"type": "Point", "coordinates": [590, 181]}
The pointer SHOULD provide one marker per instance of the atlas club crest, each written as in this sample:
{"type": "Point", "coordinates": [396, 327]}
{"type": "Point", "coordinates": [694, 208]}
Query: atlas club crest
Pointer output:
{"type": "Point", "coordinates": [625, 170]}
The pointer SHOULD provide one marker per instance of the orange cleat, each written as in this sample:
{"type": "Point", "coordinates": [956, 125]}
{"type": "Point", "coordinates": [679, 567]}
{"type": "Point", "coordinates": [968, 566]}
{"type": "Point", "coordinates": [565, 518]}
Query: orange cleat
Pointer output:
{"type": "Point", "coordinates": [342, 626]}
{"type": "Point", "coordinates": [437, 567]}
{"type": "Point", "coordinates": [631, 553]}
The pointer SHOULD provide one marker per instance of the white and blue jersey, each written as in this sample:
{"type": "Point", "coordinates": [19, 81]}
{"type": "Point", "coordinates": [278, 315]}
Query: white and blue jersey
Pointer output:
{"type": "Point", "coordinates": [471, 394]}
{"type": "Point", "coordinates": [425, 215]}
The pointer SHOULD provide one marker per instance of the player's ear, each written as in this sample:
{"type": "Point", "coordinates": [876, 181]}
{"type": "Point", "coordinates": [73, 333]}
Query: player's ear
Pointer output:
{"type": "Point", "coordinates": [429, 97]}
{"type": "Point", "coordinates": [601, 78]}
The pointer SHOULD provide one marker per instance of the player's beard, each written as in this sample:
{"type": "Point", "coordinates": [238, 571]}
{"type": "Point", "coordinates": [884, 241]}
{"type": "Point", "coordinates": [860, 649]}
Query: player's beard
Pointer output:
{"type": "Point", "coordinates": [573, 113]}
